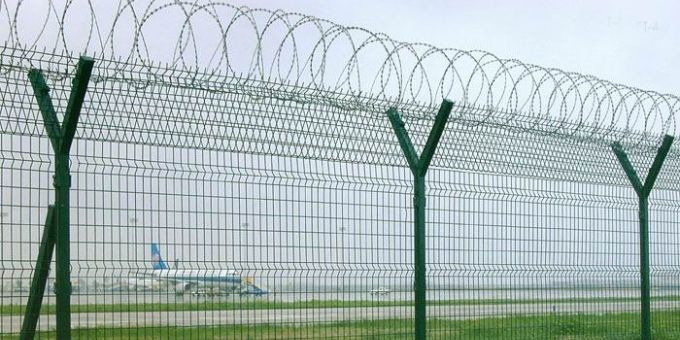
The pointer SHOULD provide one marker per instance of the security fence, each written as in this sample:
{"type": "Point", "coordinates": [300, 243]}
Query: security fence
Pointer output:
{"type": "Point", "coordinates": [273, 175]}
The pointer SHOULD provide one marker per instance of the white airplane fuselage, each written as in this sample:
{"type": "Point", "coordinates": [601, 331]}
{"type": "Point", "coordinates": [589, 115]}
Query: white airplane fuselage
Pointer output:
{"type": "Point", "coordinates": [188, 279]}
{"type": "Point", "coordinates": [184, 280]}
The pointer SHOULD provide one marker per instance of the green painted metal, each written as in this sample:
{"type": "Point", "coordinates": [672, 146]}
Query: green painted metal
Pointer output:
{"type": "Point", "coordinates": [419, 166]}
{"type": "Point", "coordinates": [62, 285]}
{"type": "Point", "coordinates": [61, 138]}
{"type": "Point", "coordinates": [645, 287]}
{"type": "Point", "coordinates": [628, 168]}
{"type": "Point", "coordinates": [643, 192]}
{"type": "Point", "coordinates": [39, 282]}
{"type": "Point", "coordinates": [263, 158]}
{"type": "Point", "coordinates": [42, 95]}
{"type": "Point", "coordinates": [419, 246]}
{"type": "Point", "coordinates": [404, 140]}
{"type": "Point", "coordinates": [75, 102]}
{"type": "Point", "coordinates": [435, 135]}
{"type": "Point", "coordinates": [658, 163]}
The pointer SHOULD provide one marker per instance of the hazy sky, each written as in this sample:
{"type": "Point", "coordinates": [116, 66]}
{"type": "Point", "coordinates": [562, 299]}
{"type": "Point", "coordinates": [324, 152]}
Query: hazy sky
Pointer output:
{"type": "Point", "coordinates": [629, 42]}
{"type": "Point", "coordinates": [622, 42]}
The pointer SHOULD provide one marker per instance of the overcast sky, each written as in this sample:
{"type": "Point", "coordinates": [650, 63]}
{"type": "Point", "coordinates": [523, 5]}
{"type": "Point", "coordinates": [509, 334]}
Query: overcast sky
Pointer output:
{"type": "Point", "coordinates": [626, 43]}
{"type": "Point", "coordinates": [629, 42]}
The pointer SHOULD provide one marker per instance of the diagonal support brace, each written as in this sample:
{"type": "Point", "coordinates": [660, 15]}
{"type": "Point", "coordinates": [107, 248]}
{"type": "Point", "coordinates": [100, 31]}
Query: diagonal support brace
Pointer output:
{"type": "Point", "coordinates": [39, 282]}
{"type": "Point", "coordinates": [643, 191]}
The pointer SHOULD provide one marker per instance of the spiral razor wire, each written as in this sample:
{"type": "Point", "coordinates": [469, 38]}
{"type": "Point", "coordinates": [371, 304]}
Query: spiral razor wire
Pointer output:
{"type": "Point", "coordinates": [253, 145]}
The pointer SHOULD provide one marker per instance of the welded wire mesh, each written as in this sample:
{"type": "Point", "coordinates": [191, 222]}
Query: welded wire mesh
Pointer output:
{"type": "Point", "coordinates": [272, 166]}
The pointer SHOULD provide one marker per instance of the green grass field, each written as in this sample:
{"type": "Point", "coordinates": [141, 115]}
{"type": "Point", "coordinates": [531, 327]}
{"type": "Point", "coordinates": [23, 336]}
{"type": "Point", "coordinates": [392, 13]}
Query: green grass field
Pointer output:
{"type": "Point", "coordinates": [619, 326]}
{"type": "Point", "coordinates": [209, 305]}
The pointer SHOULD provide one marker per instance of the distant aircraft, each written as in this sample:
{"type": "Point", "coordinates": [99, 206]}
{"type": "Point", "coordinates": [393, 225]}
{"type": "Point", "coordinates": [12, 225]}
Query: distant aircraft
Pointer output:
{"type": "Point", "coordinates": [249, 288]}
{"type": "Point", "coordinates": [382, 291]}
{"type": "Point", "coordinates": [141, 284]}
{"type": "Point", "coordinates": [195, 281]}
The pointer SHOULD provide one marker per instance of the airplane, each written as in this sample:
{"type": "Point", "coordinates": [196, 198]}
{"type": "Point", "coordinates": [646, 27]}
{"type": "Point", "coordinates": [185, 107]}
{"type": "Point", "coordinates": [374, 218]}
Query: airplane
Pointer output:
{"type": "Point", "coordinates": [249, 288]}
{"type": "Point", "coordinates": [195, 281]}
{"type": "Point", "coordinates": [382, 291]}
{"type": "Point", "coordinates": [140, 284]}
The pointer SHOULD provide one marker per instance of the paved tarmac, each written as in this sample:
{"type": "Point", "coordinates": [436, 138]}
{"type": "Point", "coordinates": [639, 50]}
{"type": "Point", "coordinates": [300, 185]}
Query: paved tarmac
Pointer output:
{"type": "Point", "coordinates": [12, 324]}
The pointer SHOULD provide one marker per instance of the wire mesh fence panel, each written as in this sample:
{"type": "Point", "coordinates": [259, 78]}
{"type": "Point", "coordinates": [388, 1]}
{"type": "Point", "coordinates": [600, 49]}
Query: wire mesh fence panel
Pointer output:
{"type": "Point", "coordinates": [255, 187]}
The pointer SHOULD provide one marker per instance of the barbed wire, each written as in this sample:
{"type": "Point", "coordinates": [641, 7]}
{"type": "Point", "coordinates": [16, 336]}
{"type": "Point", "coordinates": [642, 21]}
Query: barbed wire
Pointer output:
{"type": "Point", "coordinates": [211, 38]}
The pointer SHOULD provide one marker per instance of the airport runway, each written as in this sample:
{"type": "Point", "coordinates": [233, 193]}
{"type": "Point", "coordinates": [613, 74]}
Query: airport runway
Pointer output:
{"type": "Point", "coordinates": [12, 324]}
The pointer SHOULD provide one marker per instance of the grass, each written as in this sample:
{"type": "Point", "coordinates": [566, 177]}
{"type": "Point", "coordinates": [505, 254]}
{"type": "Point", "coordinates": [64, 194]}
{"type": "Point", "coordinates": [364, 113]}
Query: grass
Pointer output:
{"type": "Point", "coordinates": [621, 326]}
{"type": "Point", "coordinates": [207, 305]}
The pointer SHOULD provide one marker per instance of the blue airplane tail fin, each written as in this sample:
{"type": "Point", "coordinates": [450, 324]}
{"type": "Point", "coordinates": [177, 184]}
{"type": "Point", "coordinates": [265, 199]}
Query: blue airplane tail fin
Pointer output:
{"type": "Point", "coordinates": [158, 262]}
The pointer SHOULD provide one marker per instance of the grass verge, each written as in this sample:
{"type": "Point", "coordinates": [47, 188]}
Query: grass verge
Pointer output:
{"type": "Point", "coordinates": [208, 305]}
{"type": "Point", "coordinates": [584, 326]}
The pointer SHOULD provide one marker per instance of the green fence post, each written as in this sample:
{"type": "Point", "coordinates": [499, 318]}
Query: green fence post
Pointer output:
{"type": "Point", "coordinates": [61, 138]}
{"type": "Point", "coordinates": [419, 166]}
{"type": "Point", "coordinates": [643, 192]}
{"type": "Point", "coordinates": [42, 269]}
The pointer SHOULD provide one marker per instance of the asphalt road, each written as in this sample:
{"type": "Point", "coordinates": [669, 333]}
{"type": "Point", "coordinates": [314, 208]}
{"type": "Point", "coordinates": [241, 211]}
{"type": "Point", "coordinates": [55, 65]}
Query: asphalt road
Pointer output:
{"type": "Point", "coordinates": [12, 324]}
